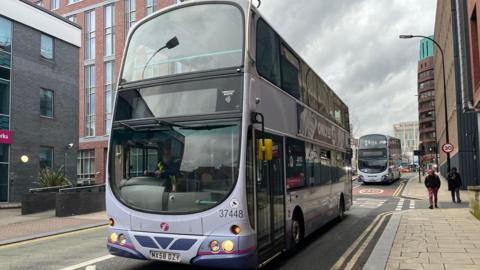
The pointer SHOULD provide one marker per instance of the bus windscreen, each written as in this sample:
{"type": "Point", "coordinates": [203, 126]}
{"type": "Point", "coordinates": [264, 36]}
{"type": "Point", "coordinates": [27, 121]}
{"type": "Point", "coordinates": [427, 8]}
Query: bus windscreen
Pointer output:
{"type": "Point", "coordinates": [190, 39]}
{"type": "Point", "coordinates": [165, 168]}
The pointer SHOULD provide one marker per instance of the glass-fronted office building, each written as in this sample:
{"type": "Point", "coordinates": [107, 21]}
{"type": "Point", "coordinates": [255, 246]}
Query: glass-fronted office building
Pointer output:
{"type": "Point", "coordinates": [5, 67]}
{"type": "Point", "coordinates": [39, 54]}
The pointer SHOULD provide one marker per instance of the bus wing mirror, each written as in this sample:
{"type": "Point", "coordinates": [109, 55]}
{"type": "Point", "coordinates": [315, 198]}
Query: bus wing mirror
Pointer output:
{"type": "Point", "coordinates": [265, 151]}
{"type": "Point", "coordinates": [349, 153]}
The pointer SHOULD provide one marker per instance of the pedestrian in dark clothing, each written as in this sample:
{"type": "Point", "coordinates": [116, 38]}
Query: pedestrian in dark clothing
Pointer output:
{"type": "Point", "coordinates": [432, 182]}
{"type": "Point", "coordinates": [454, 184]}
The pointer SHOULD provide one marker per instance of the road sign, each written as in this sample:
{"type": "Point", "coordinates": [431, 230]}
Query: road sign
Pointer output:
{"type": "Point", "coordinates": [447, 148]}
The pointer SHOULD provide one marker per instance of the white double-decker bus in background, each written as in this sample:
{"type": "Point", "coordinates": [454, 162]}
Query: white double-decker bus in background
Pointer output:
{"type": "Point", "coordinates": [226, 149]}
{"type": "Point", "coordinates": [379, 158]}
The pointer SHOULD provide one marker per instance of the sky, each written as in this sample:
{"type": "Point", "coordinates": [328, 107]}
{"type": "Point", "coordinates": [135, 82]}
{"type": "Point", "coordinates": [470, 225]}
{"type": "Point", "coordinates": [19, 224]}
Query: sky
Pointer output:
{"type": "Point", "coordinates": [353, 45]}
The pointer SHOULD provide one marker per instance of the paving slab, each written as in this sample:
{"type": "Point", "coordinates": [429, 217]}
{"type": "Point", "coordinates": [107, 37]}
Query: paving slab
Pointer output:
{"type": "Point", "coordinates": [15, 227]}
{"type": "Point", "coordinates": [445, 238]}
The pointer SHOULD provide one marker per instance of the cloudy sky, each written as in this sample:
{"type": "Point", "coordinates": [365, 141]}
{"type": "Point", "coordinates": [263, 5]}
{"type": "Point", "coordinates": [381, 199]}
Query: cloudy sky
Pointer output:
{"type": "Point", "coordinates": [354, 46]}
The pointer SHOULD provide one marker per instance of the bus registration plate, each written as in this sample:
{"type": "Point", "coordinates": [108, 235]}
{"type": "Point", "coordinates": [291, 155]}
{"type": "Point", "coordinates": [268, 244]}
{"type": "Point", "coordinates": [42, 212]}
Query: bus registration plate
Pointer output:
{"type": "Point", "coordinates": [165, 256]}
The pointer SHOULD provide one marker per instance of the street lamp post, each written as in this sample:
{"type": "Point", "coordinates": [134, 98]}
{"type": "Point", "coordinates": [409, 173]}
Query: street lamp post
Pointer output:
{"type": "Point", "coordinates": [447, 139]}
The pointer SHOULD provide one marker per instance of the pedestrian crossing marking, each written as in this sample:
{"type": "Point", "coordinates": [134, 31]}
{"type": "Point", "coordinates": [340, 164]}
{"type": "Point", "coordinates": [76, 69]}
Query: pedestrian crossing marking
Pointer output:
{"type": "Point", "coordinates": [401, 202]}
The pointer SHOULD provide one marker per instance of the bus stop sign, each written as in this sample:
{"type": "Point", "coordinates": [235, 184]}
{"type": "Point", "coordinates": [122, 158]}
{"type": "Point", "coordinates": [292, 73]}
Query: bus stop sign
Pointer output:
{"type": "Point", "coordinates": [447, 148]}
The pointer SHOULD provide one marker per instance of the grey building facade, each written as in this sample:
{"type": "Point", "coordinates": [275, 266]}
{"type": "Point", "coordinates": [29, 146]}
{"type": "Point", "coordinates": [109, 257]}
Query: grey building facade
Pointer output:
{"type": "Point", "coordinates": [467, 117]}
{"type": "Point", "coordinates": [39, 96]}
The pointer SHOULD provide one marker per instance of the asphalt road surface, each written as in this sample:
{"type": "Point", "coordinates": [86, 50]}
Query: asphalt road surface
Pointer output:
{"type": "Point", "coordinates": [338, 245]}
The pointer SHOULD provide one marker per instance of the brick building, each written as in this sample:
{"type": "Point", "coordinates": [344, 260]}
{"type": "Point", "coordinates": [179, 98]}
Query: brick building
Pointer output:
{"type": "Point", "coordinates": [462, 125]}
{"type": "Point", "coordinates": [105, 27]}
{"type": "Point", "coordinates": [467, 65]}
{"type": "Point", "coordinates": [38, 95]}
{"type": "Point", "coordinates": [473, 24]}
{"type": "Point", "coordinates": [426, 103]}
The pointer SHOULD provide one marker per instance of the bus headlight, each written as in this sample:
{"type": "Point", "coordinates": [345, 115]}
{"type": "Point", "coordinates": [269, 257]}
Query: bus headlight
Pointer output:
{"type": "Point", "coordinates": [227, 245]}
{"type": "Point", "coordinates": [122, 239]}
{"type": "Point", "coordinates": [113, 237]}
{"type": "Point", "coordinates": [214, 246]}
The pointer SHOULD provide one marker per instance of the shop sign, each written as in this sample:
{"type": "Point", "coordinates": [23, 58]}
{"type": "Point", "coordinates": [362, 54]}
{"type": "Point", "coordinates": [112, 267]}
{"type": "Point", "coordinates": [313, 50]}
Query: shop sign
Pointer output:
{"type": "Point", "coordinates": [5, 137]}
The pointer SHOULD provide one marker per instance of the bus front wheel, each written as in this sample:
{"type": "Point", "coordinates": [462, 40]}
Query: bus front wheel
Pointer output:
{"type": "Point", "coordinates": [297, 231]}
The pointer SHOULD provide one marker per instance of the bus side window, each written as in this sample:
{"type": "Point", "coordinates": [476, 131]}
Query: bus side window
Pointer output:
{"type": "Point", "coordinates": [290, 67]}
{"type": "Point", "coordinates": [268, 53]}
{"type": "Point", "coordinates": [295, 163]}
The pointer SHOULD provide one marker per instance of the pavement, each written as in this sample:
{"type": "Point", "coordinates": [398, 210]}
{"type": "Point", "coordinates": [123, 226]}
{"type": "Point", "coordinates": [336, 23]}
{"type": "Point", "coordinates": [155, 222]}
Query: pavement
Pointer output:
{"type": "Point", "coordinates": [15, 227]}
{"type": "Point", "coordinates": [445, 238]}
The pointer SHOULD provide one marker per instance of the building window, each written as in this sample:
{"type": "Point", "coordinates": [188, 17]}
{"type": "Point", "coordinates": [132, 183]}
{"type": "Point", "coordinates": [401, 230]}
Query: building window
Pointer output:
{"type": "Point", "coordinates": [129, 15]}
{"type": "Point", "coordinates": [4, 122]}
{"type": "Point", "coordinates": [46, 103]}
{"type": "Point", "coordinates": [149, 6]}
{"type": "Point", "coordinates": [109, 30]}
{"type": "Point", "coordinates": [4, 172]}
{"type": "Point", "coordinates": [90, 35]}
{"type": "Point", "coordinates": [5, 66]}
{"type": "Point", "coordinates": [4, 98]}
{"type": "Point", "coordinates": [426, 85]}
{"type": "Point", "coordinates": [46, 157]}
{"type": "Point", "coordinates": [73, 1]}
{"type": "Point", "coordinates": [5, 35]}
{"type": "Point", "coordinates": [86, 166]}
{"type": "Point", "coordinates": [109, 80]}
{"type": "Point", "coordinates": [46, 48]}
{"type": "Point", "coordinates": [72, 18]}
{"type": "Point", "coordinates": [55, 4]}
{"type": "Point", "coordinates": [90, 100]}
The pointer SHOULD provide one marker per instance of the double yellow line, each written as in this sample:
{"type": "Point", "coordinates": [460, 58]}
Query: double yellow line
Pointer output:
{"type": "Point", "coordinates": [360, 244]}
{"type": "Point", "coordinates": [398, 190]}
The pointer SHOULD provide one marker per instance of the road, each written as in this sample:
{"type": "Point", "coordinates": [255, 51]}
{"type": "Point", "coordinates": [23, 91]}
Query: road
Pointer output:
{"type": "Point", "coordinates": [338, 245]}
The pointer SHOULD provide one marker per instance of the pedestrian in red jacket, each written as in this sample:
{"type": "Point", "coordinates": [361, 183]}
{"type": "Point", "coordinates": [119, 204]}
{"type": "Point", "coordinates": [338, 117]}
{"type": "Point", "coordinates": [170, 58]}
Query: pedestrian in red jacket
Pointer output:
{"type": "Point", "coordinates": [432, 182]}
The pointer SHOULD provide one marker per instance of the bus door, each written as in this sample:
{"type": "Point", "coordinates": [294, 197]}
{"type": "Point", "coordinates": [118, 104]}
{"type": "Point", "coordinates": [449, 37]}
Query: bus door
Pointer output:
{"type": "Point", "coordinates": [270, 201]}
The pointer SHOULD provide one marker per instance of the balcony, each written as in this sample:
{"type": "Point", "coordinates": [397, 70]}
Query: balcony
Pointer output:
{"type": "Point", "coordinates": [426, 109]}
{"type": "Point", "coordinates": [426, 130]}
{"type": "Point", "coordinates": [424, 99]}
{"type": "Point", "coordinates": [426, 119]}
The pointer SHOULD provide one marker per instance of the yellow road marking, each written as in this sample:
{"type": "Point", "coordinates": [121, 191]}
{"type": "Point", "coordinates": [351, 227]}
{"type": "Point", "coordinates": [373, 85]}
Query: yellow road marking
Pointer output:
{"type": "Point", "coordinates": [399, 188]}
{"type": "Point", "coordinates": [357, 242]}
{"type": "Point", "coordinates": [25, 242]}
{"type": "Point", "coordinates": [365, 243]}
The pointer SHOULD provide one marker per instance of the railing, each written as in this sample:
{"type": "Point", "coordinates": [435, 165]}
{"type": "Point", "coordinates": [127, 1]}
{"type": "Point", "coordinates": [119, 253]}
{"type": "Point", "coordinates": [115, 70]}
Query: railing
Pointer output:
{"type": "Point", "coordinates": [94, 188]}
{"type": "Point", "coordinates": [48, 189]}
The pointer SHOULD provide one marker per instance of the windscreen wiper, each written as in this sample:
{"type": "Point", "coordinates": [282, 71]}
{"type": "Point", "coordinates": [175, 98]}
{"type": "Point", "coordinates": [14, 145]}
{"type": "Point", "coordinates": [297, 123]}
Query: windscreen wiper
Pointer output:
{"type": "Point", "coordinates": [126, 125]}
{"type": "Point", "coordinates": [169, 124]}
